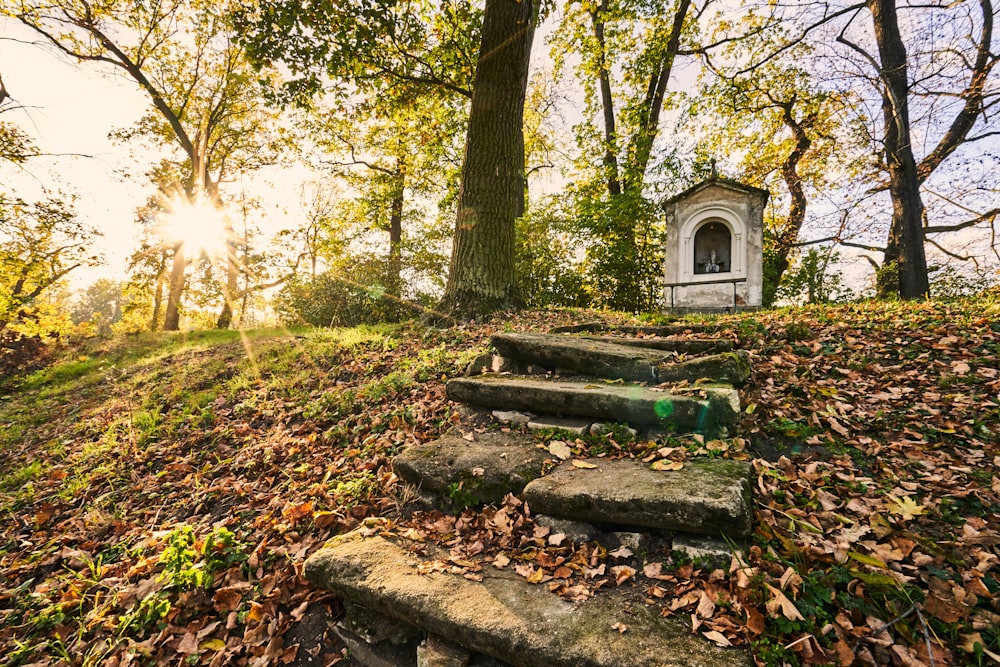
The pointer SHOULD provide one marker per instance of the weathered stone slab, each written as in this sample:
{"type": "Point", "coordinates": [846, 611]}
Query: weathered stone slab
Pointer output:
{"type": "Point", "coordinates": [671, 344]}
{"type": "Point", "coordinates": [716, 551]}
{"type": "Point", "coordinates": [642, 330]}
{"type": "Point", "coordinates": [488, 363]}
{"type": "Point", "coordinates": [578, 426]}
{"type": "Point", "coordinates": [665, 330]}
{"type": "Point", "coordinates": [512, 416]}
{"type": "Point", "coordinates": [602, 358]}
{"type": "Point", "coordinates": [709, 497]}
{"type": "Point", "coordinates": [437, 651]}
{"type": "Point", "coordinates": [489, 468]}
{"type": "Point", "coordinates": [637, 406]}
{"type": "Point", "coordinates": [507, 618]}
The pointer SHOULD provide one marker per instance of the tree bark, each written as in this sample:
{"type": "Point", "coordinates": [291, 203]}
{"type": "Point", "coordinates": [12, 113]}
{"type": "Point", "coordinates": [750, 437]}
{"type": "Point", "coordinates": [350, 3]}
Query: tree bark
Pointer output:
{"type": "Point", "coordinates": [786, 236]}
{"type": "Point", "coordinates": [904, 257]}
{"type": "Point", "coordinates": [231, 288]}
{"type": "Point", "coordinates": [612, 173]}
{"type": "Point", "coordinates": [481, 278]}
{"type": "Point", "coordinates": [652, 104]}
{"type": "Point", "coordinates": [172, 318]}
{"type": "Point", "coordinates": [158, 292]}
{"type": "Point", "coordinates": [396, 230]}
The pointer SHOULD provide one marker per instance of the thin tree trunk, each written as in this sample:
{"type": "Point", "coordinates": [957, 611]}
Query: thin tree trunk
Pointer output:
{"type": "Point", "coordinates": [628, 177]}
{"type": "Point", "coordinates": [232, 286]}
{"type": "Point", "coordinates": [172, 319]}
{"type": "Point", "coordinates": [612, 172]}
{"type": "Point", "coordinates": [396, 231]}
{"type": "Point", "coordinates": [905, 249]}
{"type": "Point", "coordinates": [481, 277]}
{"type": "Point", "coordinates": [642, 144]}
{"type": "Point", "coordinates": [787, 236]}
{"type": "Point", "coordinates": [158, 292]}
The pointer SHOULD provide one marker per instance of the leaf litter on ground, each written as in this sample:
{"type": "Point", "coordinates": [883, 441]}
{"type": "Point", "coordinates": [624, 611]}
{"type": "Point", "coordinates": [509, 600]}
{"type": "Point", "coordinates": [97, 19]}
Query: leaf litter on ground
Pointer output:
{"type": "Point", "coordinates": [167, 514]}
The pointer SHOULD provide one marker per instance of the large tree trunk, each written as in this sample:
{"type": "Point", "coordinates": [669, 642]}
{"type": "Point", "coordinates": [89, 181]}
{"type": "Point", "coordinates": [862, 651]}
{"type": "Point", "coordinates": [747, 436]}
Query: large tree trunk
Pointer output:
{"type": "Point", "coordinates": [481, 278]}
{"type": "Point", "coordinates": [172, 319]}
{"type": "Point", "coordinates": [904, 257]}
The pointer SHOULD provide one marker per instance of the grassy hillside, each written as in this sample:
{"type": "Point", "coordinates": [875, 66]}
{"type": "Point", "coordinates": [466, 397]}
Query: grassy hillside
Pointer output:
{"type": "Point", "coordinates": [160, 494]}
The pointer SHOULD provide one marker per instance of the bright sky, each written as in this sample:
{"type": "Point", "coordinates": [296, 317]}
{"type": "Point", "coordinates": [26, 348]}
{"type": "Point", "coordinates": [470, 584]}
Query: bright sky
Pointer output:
{"type": "Point", "coordinates": [69, 110]}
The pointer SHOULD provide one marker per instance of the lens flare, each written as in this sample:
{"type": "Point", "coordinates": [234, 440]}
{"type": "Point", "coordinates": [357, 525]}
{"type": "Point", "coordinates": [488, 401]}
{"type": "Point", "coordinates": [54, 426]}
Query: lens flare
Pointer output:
{"type": "Point", "coordinates": [199, 225]}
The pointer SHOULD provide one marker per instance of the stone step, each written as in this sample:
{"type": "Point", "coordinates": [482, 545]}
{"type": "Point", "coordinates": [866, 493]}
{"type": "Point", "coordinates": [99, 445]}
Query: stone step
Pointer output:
{"type": "Point", "coordinates": [671, 343]}
{"type": "Point", "coordinates": [601, 358]}
{"type": "Point", "coordinates": [706, 496]}
{"type": "Point", "coordinates": [630, 404]}
{"type": "Point", "coordinates": [505, 617]}
{"type": "Point", "coordinates": [642, 330]}
{"type": "Point", "coordinates": [488, 468]}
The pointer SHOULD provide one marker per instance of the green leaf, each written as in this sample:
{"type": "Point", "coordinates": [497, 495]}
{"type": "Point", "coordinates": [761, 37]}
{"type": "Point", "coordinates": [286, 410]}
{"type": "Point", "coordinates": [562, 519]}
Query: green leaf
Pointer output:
{"type": "Point", "coordinates": [867, 560]}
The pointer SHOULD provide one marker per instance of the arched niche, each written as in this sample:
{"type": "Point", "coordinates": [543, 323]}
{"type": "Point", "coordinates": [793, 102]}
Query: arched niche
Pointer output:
{"type": "Point", "coordinates": [707, 227]}
{"type": "Point", "coordinates": [713, 248]}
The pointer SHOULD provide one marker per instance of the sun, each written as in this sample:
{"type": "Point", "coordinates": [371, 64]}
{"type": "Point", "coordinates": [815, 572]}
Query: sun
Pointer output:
{"type": "Point", "coordinates": [198, 225]}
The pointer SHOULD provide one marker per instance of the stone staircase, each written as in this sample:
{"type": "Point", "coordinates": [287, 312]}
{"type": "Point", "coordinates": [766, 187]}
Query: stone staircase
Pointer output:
{"type": "Point", "coordinates": [585, 383]}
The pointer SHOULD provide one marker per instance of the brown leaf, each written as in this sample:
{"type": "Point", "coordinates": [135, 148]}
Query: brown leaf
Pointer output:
{"type": "Point", "coordinates": [827, 500]}
{"type": "Point", "coordinates": [188, 643]}
{"type": "Point", "coordinates": [560, 450]}
{"type": "Point", "coordinates": [620, 627]}
{"type": "Point", "coordinates": [943, 610]}
{"type": "Point", "coordinates": [226, 599]}
{"type": "Point", "coordinates": [781, 605]}
{"type": "Point", "coordinates": [755, 620]}
{"type": "Point", "coordinates": [621, 552]}
{"type": "Point", "coordinates": [790, 580]}
{"type": "Point", "coordinates": [717, 637]}
{"type": "Point", "coordinates": [622, 573]}
{"type": "Point", "coordinates": [295, 513]}
{"type": "Point", "coordinates": [44, 512]}
{"type": "Point", "coordinates": [706, 606]}
{"type": "Point", "coordinates": [844, 653]}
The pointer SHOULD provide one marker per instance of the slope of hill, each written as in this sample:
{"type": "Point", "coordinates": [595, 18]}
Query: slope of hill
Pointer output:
{"type": "Point", "coordinates": [161, 493]}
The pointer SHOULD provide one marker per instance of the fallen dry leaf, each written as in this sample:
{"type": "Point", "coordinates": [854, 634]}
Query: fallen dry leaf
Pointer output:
{"type": "Point", "coordinates": [622, 573]}
{"type": "Point", "coordinates": [905, 507]}
{"type": "Point", "coordinates": [666, 464]}
{"type": "Point", "coordinates": [781, 605]}
{"type": "Point", "coordinates": [717, 637]}
{"type": "Point", "coordinates": [561, 450]}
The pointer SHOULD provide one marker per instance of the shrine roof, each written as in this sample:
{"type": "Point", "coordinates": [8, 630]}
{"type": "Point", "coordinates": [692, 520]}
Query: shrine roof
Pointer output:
{"type": "Point", "coordinates": [719, 181]}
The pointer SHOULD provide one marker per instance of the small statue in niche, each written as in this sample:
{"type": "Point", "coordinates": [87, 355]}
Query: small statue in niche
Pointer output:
{"type": "Point", "coordinates": [712, 266]}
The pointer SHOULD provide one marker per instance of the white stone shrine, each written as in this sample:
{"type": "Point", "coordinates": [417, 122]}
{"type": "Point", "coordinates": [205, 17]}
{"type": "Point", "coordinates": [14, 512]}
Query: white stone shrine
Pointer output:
{"type": "Point", "coordinates": [714, 251]}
